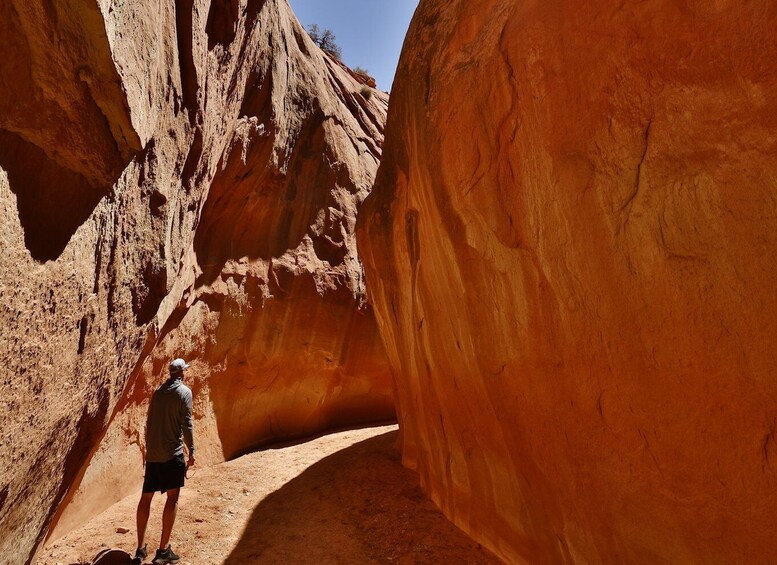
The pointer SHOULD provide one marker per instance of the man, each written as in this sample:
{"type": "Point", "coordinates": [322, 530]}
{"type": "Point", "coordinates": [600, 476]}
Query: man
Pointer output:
{"type": "Point", "coordinates": [169, 423]}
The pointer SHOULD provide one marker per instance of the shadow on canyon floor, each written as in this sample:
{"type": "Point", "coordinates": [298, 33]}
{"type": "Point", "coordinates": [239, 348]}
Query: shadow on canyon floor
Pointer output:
{"type": "Point", "coordinates": [358, 505]}
{"type": "Point", "coordinates": [340, 498]}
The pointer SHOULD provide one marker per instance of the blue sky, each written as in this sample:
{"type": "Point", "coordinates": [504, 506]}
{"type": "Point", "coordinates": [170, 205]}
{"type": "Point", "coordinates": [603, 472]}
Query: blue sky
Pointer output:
{"type": "Point", "coordinates": [370, 32]}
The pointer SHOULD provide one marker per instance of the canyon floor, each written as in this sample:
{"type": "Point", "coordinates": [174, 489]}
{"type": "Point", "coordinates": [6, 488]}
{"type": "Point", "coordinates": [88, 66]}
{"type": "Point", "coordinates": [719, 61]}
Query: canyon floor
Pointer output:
{"type": "Point", "coordinates": [342, 498]}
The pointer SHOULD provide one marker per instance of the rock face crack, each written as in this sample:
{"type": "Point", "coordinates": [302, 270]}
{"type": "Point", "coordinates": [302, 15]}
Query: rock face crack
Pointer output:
{"type": "Point", "coordinates": [767, 445]}
{"type": "Point", "coordinates": [626, 206]}
{"type": "Point", "coordinates": [184, 26]}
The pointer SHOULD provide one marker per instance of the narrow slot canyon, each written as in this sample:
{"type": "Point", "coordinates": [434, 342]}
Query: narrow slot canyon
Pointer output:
{"type": "Point", "coordinates": [519, 309]}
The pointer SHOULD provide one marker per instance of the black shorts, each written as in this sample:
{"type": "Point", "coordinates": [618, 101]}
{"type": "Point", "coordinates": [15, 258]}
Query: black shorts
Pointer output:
{"type": "Point", "coordinates": [165, 476]}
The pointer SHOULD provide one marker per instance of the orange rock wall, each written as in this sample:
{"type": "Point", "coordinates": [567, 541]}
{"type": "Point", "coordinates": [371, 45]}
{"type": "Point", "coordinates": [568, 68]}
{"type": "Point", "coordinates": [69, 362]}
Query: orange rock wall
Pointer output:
{"type": "Point", "coordinates": [570, 249]}
{"type": "Point", "coordinates": [177, 178]}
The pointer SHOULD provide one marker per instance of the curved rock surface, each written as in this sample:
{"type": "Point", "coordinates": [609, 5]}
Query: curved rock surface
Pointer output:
{"type": "Point", "coordinates": [570, 247]}
{"type": "Point", "coordinates": [176, 179]}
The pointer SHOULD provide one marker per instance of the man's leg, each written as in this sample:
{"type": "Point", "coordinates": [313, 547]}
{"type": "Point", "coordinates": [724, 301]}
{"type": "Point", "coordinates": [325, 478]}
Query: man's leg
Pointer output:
{"type": "Point", "coordinates": [168, 517]}
{"type": "Point", "coordinates": [144, 510]}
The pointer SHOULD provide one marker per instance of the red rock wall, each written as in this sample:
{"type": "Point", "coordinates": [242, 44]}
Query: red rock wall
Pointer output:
{"type": "Point", "coordinates": [177, 178]}
{"type": "Point", "coordinates": [281, 341]}
{"type": "Point", "coordinates": [570, 248]}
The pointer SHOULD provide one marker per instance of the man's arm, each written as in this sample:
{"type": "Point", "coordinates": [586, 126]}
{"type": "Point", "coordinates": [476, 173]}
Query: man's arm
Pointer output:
{"type": "Point", "coordinates": [144, 446]}
{"type": "Point", "coordinates": [188, 427]}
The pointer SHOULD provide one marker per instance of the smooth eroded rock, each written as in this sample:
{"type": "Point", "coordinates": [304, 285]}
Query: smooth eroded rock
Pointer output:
{"type": "Point", "coordinates": [570, 248]}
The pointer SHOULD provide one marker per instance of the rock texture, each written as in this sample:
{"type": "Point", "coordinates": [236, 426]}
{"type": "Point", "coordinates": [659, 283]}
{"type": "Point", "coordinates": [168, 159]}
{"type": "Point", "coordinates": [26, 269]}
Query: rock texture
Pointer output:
{"type": "Point", "coordinates": [176, 178]}
{"type": "Point", "coordinates": [570, 247]}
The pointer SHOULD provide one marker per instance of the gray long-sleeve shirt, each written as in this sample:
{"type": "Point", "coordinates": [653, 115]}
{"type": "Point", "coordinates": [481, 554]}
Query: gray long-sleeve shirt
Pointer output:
{"type": "Point", "coordinates": [169, 422]}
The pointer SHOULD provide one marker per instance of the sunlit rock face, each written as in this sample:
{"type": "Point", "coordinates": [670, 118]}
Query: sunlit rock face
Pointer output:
{"type": "Point", "coordinates": [570, 248]}
{"type": "Point", "coordinates": [176, 179]}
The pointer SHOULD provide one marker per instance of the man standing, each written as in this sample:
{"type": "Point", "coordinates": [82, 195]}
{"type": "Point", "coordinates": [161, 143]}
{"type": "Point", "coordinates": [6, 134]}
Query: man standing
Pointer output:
{"type": "Point", "coordinates": [169, 424]}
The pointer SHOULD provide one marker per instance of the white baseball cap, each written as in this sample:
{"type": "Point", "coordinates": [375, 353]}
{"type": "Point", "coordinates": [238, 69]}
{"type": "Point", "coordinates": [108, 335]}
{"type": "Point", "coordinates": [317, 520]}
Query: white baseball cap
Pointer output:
{"type": "Point", "coordinates": [177, 366]}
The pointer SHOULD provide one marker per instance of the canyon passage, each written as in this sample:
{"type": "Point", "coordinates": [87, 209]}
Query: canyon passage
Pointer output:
{"type": "Point", "coordinates": [562, 289]}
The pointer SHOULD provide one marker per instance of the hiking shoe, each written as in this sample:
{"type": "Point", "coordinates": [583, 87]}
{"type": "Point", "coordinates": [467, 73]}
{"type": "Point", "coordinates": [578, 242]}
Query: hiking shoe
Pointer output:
{"type": "Point", "coordinates": [140, 555]}
{"type": "Point", "coordinates": [165, 556]}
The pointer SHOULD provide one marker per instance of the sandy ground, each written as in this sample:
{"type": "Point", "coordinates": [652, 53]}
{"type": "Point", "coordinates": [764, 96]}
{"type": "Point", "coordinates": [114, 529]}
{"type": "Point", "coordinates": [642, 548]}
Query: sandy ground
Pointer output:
{"type": "Point", "coordinates": [342, 498]}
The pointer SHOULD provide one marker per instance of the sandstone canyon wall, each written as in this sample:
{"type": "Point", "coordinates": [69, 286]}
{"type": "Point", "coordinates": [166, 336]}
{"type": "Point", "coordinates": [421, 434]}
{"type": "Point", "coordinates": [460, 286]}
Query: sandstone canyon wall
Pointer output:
{"type": "Point", "coordinates": [570, 248]}
{"type": "Point", "coordinates": [177, 178]}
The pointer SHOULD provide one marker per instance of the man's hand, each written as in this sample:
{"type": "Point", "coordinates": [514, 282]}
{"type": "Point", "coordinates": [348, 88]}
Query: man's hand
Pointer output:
{"type": "Point", "coordinates": [191, 461]}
